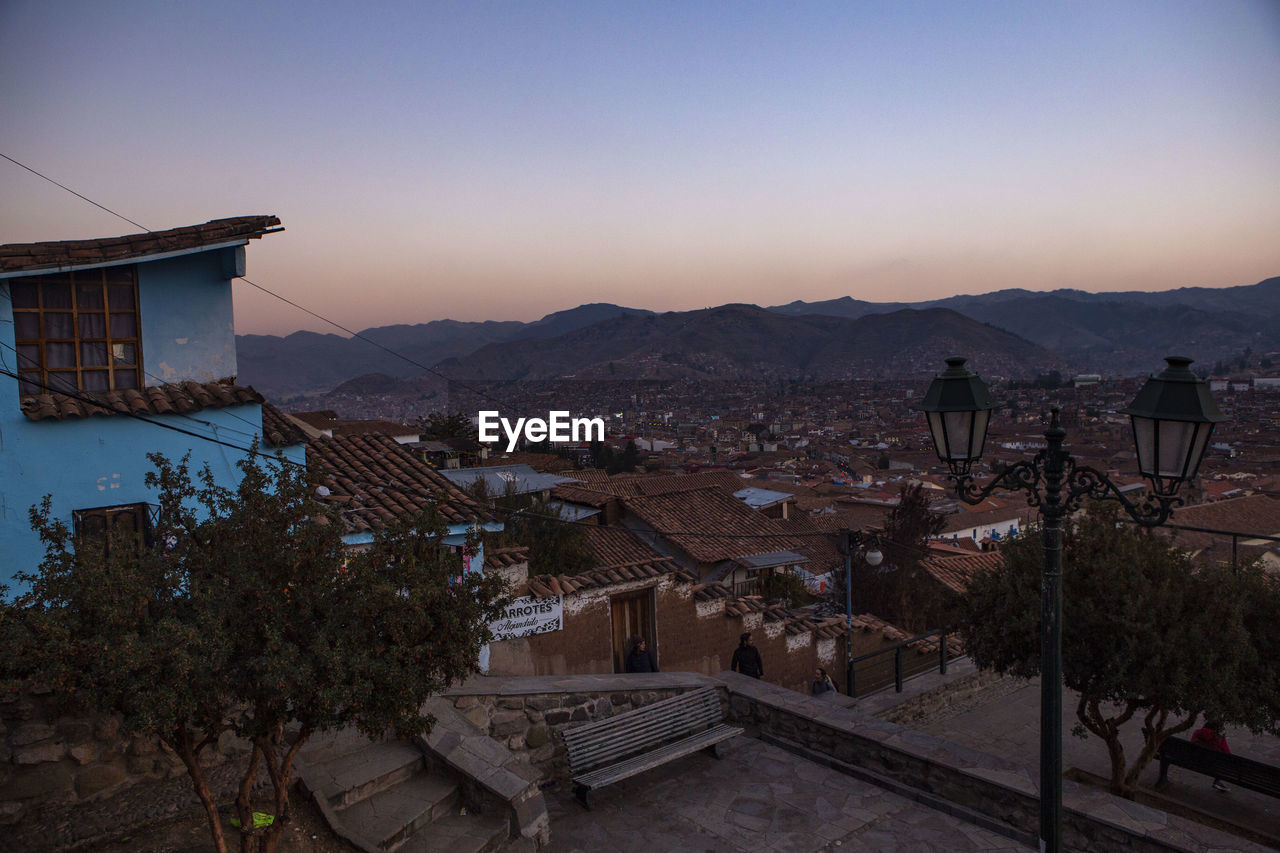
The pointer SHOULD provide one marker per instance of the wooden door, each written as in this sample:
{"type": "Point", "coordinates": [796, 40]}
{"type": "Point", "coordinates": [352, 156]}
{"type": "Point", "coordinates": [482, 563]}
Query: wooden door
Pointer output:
{"type": "Point", "coordinates": [632, 614]}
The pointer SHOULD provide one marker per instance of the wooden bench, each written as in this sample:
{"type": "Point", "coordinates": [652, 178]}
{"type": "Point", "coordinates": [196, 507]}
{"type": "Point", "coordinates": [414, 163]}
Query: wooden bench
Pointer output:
{"type": "Point", "coordinates": [1234, 769]}
{"type": "Point", "coordinates": [615, 748]}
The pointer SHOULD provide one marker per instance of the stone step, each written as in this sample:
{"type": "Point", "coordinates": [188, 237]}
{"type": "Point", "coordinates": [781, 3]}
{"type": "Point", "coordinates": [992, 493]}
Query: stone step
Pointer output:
{"type": "Point", "coordinates": [471, 833]}
{"type": "Point", "coordinates": [391, 816]}
{"type": "Point", "coordinates": [322, 747]}
{"type": "Point", "coordinates": [346, 779]}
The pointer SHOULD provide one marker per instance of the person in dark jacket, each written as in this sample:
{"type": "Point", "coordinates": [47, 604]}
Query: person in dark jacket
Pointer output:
{"type": "Point", "coordinates": [746, 658]}
{"type": "Point", "coordinates": [640, 659]}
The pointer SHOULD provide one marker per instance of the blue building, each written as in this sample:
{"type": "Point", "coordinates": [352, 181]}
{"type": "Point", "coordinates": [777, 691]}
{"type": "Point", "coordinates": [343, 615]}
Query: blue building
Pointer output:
{"type": "Point", "coordinates": [111, 349]}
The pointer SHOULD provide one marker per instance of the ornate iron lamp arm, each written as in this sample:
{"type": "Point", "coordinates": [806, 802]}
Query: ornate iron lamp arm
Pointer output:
{"type": "Point", "coordinates": [1085, 483]}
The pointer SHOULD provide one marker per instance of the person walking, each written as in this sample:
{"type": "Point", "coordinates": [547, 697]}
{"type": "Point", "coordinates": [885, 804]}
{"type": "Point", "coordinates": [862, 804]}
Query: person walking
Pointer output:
{"type": "Point", "coordinates": [746, 658]}
{"type": "Point", "coordinates": [822, 683]}
{"type": "Point", "coordinates": [640, 659]}
{"type": "Point", "coordinates": [1211, 737]}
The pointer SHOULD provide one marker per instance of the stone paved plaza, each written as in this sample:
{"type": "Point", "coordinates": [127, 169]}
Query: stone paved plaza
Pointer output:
{"type": "Point", "coordinates": [756, 798]}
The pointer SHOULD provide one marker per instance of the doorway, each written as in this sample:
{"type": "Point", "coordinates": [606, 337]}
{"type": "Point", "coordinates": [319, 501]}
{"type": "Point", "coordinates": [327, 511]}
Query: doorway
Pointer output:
{"type": "Point", "coordinates": [632, 614]}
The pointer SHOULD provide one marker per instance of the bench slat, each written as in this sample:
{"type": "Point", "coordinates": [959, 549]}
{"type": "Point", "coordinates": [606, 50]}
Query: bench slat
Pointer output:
{"type": "Point", "coordinates": [704, 699]}
{"type": "Point", "coordinates": [638, 733]}
{"type": "Point", "coordinates": [615, 748]}
{"type": "Point", "coordinates": [640, 763]}
{"type": "Point", "coordinates": [597, 743]}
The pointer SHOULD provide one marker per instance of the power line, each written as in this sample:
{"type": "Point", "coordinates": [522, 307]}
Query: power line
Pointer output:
{"type": "Point", "coordinates": [74, 193]}
{"type": "Point", "coordinates": [270, 292]}
{"type": "Point", "coordinates": [84, 399]}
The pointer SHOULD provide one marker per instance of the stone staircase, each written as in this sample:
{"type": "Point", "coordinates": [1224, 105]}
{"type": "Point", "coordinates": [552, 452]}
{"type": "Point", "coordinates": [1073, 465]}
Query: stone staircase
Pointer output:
{"type": "Point", "coordinates": [383, 797]}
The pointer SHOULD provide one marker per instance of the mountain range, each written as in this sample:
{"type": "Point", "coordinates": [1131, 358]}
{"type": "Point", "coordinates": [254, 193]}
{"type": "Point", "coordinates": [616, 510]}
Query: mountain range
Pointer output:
{"type": "Point", "coordinates": [1072, 330]}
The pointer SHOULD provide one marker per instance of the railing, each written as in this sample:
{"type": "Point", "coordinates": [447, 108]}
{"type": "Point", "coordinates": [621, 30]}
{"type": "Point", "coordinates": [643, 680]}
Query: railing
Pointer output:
{"type": "Point", "coordinates": [891, 666]}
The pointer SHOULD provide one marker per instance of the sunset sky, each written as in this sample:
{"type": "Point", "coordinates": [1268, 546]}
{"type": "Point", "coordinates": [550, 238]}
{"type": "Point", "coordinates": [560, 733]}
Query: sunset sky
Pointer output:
{"type": "Point", "coordinates": [480, 160]}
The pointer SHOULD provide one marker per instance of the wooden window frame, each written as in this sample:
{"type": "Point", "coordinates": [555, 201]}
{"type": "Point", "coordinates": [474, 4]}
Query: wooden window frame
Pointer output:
{"type": "Point", "coordinates": [97, 524]}
{"type": "Point", "coordinates": [99, 305]}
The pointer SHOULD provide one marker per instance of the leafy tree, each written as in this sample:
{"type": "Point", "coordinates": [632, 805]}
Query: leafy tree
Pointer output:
{"type": "Point", "coordinates": [898, 589]}
{"type": "Point", "coordinates": [785, 587]}
{"type": "Point", "coordinates": [246, 615]}
{"type": "Point", "coordinates": [1146, 633]}
{"type": "Point", "coordinates": [555, 545]}
{"type": "Point", "coordinates": [441, 426]}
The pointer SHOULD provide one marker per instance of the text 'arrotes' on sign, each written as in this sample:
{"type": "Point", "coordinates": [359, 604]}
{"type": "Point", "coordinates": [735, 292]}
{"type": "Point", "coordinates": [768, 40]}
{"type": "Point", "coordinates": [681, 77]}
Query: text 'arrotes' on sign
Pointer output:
{"type": "Point", "coordinates": [558, 428]}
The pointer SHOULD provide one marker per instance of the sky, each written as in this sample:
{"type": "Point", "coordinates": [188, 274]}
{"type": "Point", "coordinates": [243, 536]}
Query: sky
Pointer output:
{"type": "Point", "coordinates": [491, 160]}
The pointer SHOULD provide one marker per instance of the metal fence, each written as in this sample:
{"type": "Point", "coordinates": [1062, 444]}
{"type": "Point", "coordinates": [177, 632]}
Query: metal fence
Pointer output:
{"type": "Point", "coordinates": [892, 665]}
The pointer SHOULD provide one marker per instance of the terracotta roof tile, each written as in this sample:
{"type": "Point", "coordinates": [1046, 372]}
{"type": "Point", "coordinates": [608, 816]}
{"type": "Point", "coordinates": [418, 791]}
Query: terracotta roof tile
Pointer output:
{"type": "Point", "coordinates": [955, 571]}
{"type": "Point", "coordinates": [544, 585]}
{"type": "Point", "coordinates": [278, 430]}
{"type": "Point", "coordinates": [502, 558]}
{"type": "Point", "coordinates": [711, 525]}
{"type": "Point", "coordinates": [21, 257]}
{"type": "Point", "coordinates": [381, 481]}
{"type": "Point", "coordinates": [617, 545]}
{"type": "Point", "coordinates": [177, 398]}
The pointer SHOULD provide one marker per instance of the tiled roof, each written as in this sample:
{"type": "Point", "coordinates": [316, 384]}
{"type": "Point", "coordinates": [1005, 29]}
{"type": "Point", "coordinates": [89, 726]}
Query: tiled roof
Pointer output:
{"type": "Point", "coordinates": [1252, 514]}
{"type": "Point", "coordinates": [796, 621]}
{"type": "Point", "coordinates": [544, 585]}
{"type": "Point", "coordinates": [616, 545]}
{"type": "Point", "coordinates": [956, 571]}
{"type": "Point", "coordinates": [710, 524]}
{"type": "Point", "coordinates": [584, 495]}
{"type": "Point", "coordinates": [179, 398]}
{"type": "Point", "coordinates": [504, 558]}
{"type": "Point", "coordinates": [380, 481]}
{"type": "Point", "coordinates": [278, 430]}
{"type": "Point", "coordinates": [17, 257]}
{"type": "Point", "coordinates": [367, 427]}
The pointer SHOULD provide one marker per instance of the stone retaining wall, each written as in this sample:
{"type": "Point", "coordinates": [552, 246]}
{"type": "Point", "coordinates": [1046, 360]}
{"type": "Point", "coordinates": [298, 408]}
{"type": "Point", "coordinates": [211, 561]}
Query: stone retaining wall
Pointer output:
{"type": "Point", "coordinates": [524, 714]}
{"type": "Point", "coordinates": [52, 761]}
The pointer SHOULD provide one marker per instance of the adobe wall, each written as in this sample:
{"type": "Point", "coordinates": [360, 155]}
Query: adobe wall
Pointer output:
{"type": "Point", "coordinates": [692, 636]}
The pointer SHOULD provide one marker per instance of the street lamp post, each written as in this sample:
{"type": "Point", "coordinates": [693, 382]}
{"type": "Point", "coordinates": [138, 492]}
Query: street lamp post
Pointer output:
{"type": "Point", "coordinates": [1172, 416]}
{"type": "Point", "coordinates": [850, 542]}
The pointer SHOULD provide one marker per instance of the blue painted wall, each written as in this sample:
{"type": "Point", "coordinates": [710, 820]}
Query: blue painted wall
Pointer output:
{"type": "Point", "coordinates": [188, 328]}
{"type": "Point", "coordinates": [187, 333]}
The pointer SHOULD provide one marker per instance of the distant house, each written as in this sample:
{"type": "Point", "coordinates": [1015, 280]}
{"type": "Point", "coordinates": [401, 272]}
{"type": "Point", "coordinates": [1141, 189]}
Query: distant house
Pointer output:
{"type": "Point", "coordinates": [112, 349]}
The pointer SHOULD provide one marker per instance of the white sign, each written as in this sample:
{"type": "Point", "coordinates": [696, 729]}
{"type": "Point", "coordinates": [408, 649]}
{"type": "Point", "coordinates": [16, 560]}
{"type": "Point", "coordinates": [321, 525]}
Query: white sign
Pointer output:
{"type": "Point", "coordinates": [527, 616]}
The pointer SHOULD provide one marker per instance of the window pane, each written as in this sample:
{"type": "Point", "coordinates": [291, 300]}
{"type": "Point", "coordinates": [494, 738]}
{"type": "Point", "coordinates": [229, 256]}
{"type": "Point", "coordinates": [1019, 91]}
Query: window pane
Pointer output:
{"type": "Point", "coordinates": [123, 326]}
{"type": "Point", "coordinates": [26, 325]}
{"type": "Point", "coordinates": [25, 294]}
{"type": "Point", "coordinates": [93, 354]}
{"type": "Point", "coordinates": [120, 296]}
{"type": "Point", "coordinates": [60, 355]}
{"type": "Point", "coordinates": [64, 381]}
{"type": "Point", "coordinates": [29, 385]}
{"type": "Point", "coordinates": [28, 355]}
{"type": "Point", "coordinates": [126, 379]}
{"type": "Point", "coordinates": [124, 353]}
{"type": "Point", "coordinates": [59, 326]}
{"type": "Point", "coordinates": [93, 325]}
{"type": "Point", "coordinates": [95, 380]}
{"type": "Point", "coordinates": [119, 275]}
{"type": "Point", "coordinates": [57, 294]}
{"type": "Point", "coordinates": [89, 297]}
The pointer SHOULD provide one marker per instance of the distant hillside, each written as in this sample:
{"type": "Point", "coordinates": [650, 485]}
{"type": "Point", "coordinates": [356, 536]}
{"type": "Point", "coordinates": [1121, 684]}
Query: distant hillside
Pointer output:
{"type": "Point", "coordinates": [736, 341]}
{"type": "Point", "coordinates": [307, 362]}
{"type": "Point", "coordinates": [1111, 332]}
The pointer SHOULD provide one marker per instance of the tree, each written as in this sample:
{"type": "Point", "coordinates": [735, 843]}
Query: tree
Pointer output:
{"type": "Point", "coordinates": [899, 589]}
{"type": "Point", "coordinates": [1145, 632]}
{"type": "Point", "coordinates": [441, 426]}
{"type": "Point", "coordinates": [244, 614]}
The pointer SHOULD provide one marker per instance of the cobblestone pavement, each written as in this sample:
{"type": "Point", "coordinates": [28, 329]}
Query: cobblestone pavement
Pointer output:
{"type": "Point", "coordinates": [86, 826]}
{"type": "Point", "coordinates": [1006, 722]}
{"type": "Point", "coordinates": [756, 798]}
